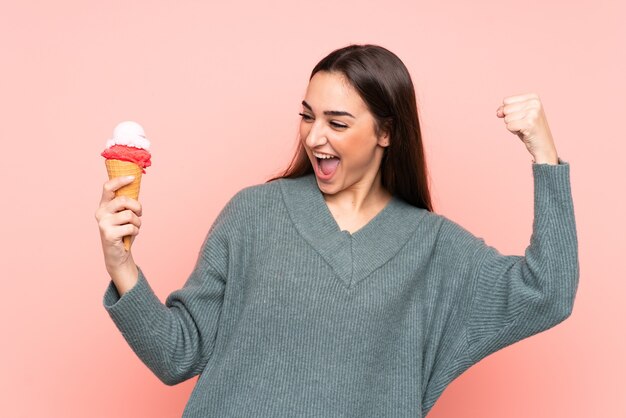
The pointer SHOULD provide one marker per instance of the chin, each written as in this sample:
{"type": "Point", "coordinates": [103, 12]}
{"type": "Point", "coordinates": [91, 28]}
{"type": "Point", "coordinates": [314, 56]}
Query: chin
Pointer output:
{"type": "Point", "coordinates": [326, 188]}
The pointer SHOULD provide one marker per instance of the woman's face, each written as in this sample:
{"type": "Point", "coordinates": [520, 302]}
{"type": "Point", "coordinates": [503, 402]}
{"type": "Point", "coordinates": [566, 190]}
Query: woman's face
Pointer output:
{"type": "Point", "coordinates": [336, 122]}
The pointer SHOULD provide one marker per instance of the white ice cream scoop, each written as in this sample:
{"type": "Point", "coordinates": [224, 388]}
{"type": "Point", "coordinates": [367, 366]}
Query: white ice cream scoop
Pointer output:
{"type": "Point", "coordinates": [129, 133]}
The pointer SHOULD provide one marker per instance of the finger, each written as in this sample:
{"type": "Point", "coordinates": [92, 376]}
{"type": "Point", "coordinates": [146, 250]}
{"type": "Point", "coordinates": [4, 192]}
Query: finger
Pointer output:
{"type": "Point", "coordinates": [516, 126]}
{"type": "Point", "coordinates": [116, 234]}
{"type": "Point", "coordinates": [117, 205]}
{"type": "Point", "coordinates": [513, 108]}
{"type": "Point", "coordinates": [111, 186]}
{"type": "Point", "coordinates": [125, 217]}
{"type": "Point", "coordinates": [129, 229]}
{"type": "Point", "coordinates": [514, 116]}
{"type": "Point", "coordinates": [121, 203]}
{"type": "Point", "coordinates": [500, 112]}
{"type": "Point", "coordinates": [113, 221]}
{"type": "Point", "coordinates": [110, 223]}
{"type": "Point", "coordinates": [519, 98]}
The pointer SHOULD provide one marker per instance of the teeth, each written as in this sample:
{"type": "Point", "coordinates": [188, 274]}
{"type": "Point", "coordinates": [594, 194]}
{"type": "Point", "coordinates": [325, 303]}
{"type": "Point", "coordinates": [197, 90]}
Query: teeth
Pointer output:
{"type": "Point", "coordinates": [323, 156]}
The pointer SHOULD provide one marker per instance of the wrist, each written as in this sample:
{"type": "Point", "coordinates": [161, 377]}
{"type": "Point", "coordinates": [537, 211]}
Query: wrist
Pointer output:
{"type": "Point", "coordinates": [124, 276]}
{"type": "Point", "coordinates": [546, 158]}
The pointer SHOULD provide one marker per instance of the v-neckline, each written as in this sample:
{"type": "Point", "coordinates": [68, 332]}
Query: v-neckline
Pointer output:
{"type": "Point", "coordinates": [373, 219]}
{"type": "Point", "coordinates": [353, 256]}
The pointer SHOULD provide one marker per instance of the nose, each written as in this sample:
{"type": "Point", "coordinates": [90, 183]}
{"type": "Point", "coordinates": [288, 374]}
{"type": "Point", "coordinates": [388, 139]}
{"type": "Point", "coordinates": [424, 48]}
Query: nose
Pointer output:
{"type": "Point", "coordinates": [316, 136]}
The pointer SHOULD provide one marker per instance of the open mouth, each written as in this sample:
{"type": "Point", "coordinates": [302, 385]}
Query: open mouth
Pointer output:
{"type": "Point", "coordinates": [327, 164]}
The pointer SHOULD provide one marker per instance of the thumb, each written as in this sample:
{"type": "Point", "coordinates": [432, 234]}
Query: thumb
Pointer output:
{"type": "Point", "coordinates": [500, 112]}
{"type": "Point", "coordinates": [111, 186]}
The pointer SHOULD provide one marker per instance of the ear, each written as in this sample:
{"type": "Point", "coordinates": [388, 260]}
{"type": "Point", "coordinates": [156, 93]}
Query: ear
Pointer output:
{"type": "Point", "coordinates": [384, 137]}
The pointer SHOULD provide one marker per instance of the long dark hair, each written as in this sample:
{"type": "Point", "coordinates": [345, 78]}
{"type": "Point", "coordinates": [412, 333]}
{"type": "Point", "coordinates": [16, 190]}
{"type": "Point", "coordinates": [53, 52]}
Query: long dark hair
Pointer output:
{"type": "Point", "coordinates": [385, 85]}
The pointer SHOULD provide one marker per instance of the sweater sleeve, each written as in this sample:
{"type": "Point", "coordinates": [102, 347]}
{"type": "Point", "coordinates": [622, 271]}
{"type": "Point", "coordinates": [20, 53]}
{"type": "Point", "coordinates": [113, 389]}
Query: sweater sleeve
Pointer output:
{"type": "Point", "coordinates": [514, 297]}
{"type": "Point", "coordinates": [176, 339]}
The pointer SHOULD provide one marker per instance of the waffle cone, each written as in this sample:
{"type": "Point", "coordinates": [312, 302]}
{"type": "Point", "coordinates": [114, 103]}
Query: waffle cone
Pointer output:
{"type": "Point", "coordinates": [118, 168]}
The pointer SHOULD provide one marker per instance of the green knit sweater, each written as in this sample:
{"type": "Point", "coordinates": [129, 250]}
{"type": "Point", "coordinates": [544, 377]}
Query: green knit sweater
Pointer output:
{"type": "Point", "coordinates": [286, 315]}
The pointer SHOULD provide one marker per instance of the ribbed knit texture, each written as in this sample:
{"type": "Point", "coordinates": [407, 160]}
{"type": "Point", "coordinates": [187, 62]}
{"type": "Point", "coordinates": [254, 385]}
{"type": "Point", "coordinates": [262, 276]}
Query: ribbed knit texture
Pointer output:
{"type": "Point", "coordinates": [285, 315]}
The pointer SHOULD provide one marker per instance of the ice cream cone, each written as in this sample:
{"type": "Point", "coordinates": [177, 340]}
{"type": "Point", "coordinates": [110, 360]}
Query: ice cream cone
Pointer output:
{"type": "Point", "coordinates": [118, 168]}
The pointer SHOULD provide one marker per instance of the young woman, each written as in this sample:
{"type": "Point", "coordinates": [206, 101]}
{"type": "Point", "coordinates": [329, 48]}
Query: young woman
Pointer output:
{"type": "Point", "coordinates": [334, 289]}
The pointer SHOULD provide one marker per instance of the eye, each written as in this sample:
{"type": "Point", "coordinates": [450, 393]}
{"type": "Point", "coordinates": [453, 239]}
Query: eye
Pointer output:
{"type": "Point", "coordinates": [338, 125]}
{"type": "Point", "coordinates": [306, 117]}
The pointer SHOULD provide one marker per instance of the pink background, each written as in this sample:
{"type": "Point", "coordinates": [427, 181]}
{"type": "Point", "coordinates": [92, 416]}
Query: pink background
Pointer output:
{"type": "Point", "coordinates": [217, 88]}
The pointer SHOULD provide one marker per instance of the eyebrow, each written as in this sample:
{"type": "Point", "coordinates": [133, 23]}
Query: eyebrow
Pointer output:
{"type": "Point", "coordinates": [329, 112]}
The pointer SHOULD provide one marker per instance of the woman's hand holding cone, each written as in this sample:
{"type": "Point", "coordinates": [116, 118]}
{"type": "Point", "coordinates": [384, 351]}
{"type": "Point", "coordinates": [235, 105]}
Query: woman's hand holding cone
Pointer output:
{"type": "Point", "coordinates": [118, 217]}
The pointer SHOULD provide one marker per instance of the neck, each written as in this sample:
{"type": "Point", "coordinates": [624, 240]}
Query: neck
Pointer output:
{"type": "Point", "coordinates": [365, 195]}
